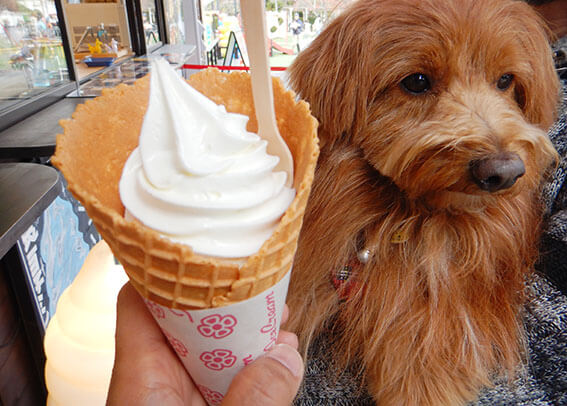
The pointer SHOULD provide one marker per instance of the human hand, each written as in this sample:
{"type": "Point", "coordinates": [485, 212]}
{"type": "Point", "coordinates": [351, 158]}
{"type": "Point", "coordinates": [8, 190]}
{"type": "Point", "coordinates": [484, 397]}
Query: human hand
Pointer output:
{"type": "Point", "coordinates": [147, 371]}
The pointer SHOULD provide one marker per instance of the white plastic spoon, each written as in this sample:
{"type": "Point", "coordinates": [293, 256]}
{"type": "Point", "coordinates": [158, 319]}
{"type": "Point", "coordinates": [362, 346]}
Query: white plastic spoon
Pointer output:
{"type": "Point", "coordinates": [256, 43]}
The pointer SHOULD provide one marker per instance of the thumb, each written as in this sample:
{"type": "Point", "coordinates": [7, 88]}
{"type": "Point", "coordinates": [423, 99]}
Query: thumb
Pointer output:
{"type": "Point", "coordinates": [271, 380]}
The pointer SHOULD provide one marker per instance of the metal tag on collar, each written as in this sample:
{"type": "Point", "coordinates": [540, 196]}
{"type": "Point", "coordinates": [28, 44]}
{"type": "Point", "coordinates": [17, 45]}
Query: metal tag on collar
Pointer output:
{"type": "Point", "coordinates": [399, 236]}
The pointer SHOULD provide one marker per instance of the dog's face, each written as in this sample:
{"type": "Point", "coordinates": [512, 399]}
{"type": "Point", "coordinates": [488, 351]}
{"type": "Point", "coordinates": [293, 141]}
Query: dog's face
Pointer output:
{"type": "Point", "coordinates": [449, 99]}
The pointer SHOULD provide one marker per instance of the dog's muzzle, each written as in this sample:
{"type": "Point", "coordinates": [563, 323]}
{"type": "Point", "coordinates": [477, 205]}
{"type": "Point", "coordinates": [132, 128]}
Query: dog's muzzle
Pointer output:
{"type": "Point", "coordinates": [497, 172]}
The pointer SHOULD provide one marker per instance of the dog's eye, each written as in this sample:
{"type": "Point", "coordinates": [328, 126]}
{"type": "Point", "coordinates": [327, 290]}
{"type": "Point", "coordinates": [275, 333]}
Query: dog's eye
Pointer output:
{"type": "Point", "coordinates": [505, 81]}
{"type": "Point", "coordinates": [416, 83]}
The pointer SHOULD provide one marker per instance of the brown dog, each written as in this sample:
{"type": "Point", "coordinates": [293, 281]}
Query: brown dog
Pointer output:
{"type": "Point", "coordinates": [433, 132]}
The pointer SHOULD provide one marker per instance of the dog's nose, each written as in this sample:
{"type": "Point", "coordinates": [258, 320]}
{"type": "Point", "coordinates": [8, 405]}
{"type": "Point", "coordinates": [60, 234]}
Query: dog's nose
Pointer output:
{"type": "Point", "coordinates": [498, 171]}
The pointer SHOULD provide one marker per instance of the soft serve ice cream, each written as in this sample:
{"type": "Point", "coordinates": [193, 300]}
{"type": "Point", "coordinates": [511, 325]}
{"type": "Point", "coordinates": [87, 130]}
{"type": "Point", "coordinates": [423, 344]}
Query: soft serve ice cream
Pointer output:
{"type": "Point", "coordinates": [198, 177]}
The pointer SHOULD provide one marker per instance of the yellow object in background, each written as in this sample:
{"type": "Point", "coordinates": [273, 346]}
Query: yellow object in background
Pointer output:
{"type": "Point", "coordinates": [96, 48]}
{"type": "Point", "coordinates": [79, 340]}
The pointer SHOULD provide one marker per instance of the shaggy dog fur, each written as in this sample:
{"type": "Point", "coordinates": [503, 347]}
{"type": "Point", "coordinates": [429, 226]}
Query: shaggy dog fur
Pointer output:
{"type": "Point", "coordinates": [436, 311]}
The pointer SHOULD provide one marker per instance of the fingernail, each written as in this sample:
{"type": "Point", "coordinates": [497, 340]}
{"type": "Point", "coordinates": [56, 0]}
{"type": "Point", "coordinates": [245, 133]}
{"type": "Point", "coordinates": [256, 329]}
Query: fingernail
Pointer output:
{"type": "Point", "coordinates": [288, 357]}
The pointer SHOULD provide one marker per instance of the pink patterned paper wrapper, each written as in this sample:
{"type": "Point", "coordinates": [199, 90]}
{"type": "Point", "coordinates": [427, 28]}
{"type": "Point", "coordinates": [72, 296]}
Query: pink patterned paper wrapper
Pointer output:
{"type": "Point", "coordinates": [214, 344]}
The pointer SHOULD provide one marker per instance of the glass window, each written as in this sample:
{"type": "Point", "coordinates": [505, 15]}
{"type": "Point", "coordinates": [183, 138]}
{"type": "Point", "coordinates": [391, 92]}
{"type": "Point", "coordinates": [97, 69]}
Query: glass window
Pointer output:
{"type": "Point", "coordinates": [223, 27]}
{"type": "Point", "coordinates": [173, 10]}
{"type": "Point", "coordinates": [99, 33]}
{"type": "Point", "coordinates": [31, 52]}
{"type": "Point", "coordinates": [291, 25]}
{"type": "Point", "coordinates": [149, 18]}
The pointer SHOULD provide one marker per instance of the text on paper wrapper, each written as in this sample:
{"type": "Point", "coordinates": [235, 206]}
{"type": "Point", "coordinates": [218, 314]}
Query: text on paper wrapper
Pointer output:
{"type": "Point", "coordinates": [271, 326]}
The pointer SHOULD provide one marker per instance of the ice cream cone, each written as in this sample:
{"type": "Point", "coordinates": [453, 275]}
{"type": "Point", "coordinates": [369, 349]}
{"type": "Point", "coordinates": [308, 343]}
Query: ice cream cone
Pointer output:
{"type": "Point", "coordinates": [91, 154]}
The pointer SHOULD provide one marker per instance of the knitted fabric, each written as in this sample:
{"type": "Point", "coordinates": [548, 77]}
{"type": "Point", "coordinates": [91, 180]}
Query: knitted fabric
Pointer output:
{"type": "Point", "coordinates": [553, 258]}
{"type": "Point", "coordinates": [543, 380]}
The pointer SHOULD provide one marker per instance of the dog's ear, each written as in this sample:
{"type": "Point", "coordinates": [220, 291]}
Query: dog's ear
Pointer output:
{"type": "Point", "coordinates": [333, 75]}
{"type": "Point", "coordinates": [537, 90]}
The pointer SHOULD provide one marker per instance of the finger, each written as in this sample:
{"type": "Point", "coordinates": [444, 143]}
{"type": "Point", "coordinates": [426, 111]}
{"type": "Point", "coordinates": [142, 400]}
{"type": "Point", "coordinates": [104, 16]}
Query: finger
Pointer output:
{"type": "Point", "coordinates": [285, 313]}
{"type": "Point", "coordinates": [142, 356]}
{"type": "Point", "coordinates": [271, 380]}
{"type": "Point", "coordinates": [286, 337]}
{"type": "Point", "coordinates": [135, 327]}
{"type": "Point", "coordinates": [134, 331]}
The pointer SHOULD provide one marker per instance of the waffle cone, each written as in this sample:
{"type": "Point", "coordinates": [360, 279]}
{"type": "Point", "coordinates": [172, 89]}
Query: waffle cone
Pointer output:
{"type": "Point", "coordinates": [93, 150]}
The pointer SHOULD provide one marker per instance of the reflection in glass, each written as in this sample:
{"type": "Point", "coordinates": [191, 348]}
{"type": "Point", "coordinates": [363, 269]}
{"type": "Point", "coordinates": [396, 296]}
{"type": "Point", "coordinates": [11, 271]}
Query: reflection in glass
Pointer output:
{"type": "Point", "coordinates": [99, 33]}
{"type": "Point", "coordinates": [149, 18]}
{"type": "Point", "coordinates": [292, 25]}
{"type": "Point", "coordinates": [31, 52]}
{"type": "Point", "coordinates": [174, 21]}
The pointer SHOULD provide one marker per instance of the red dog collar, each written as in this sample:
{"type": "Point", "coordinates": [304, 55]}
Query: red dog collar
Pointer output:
{"type": "Point", "coordinates": [345, 279]}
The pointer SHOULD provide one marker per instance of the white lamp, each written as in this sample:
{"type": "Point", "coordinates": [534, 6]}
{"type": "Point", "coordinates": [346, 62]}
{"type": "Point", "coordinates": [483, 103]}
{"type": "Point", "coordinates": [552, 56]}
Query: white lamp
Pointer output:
{"type": "Point", "coordinates": [79, 340]}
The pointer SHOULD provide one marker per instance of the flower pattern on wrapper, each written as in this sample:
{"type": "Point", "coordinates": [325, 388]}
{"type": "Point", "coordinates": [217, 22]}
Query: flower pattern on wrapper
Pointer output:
{"type": "Point", "coordinates": [181, 313]}
{"type": "Point", "coordinates": [155, 309]}
{"type": "Point", "coordinates": [217, 326]}
{"type": "Point", "coordinates": [177, 345]}
{"type": "Point", "coordinates": [218, 359]}
{"type": "Point", "coordinates": [248, 359]}
{"type": "Point", "coordinates": [212, 397]}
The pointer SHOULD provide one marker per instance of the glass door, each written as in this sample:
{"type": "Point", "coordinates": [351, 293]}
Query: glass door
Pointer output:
{"type": "Point", "coordinates": [32, 59]}
{"type": "Point", "coordinates": [175, 27]}
{"type": "Point", "coordinates": [99, 33]}
{"type": "Point", "coordinates": [150, 22]}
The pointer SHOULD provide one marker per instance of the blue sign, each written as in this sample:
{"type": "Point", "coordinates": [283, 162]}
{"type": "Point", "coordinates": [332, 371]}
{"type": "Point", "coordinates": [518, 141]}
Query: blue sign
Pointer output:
{"type": "Point", "coordinates": [53, 249]}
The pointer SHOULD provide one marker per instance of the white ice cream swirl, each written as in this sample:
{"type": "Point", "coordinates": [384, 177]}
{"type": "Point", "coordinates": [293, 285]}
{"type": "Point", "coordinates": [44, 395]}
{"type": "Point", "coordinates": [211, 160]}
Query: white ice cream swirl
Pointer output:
{"type": "Point", "coordinates": [198, 177]}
